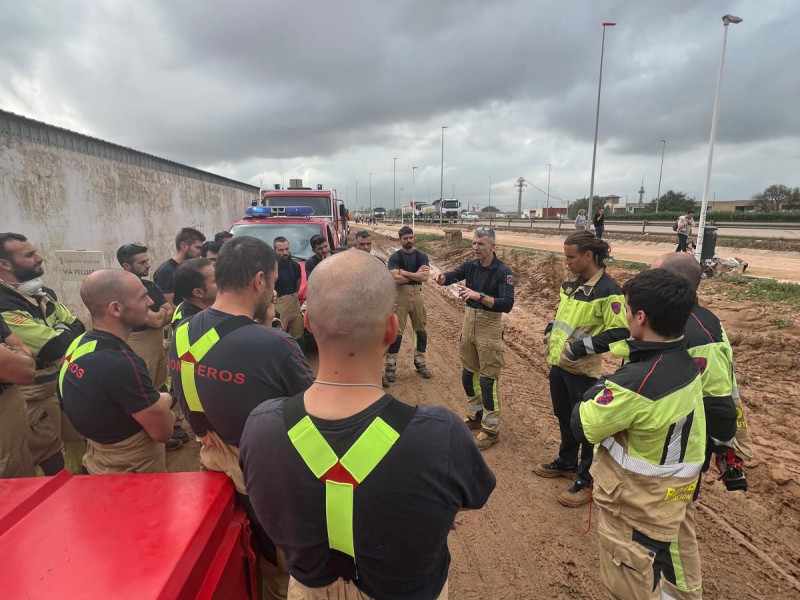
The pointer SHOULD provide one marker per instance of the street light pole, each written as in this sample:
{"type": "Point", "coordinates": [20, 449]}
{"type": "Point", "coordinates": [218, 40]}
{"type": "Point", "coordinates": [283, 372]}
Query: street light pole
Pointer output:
{"type": "Point", "coordinates": [660, 171]}
{"type": "Point", "coordinates": [549, 170]}
{"type": "Point", "coordinates": [394, 188]}
{"type": "Point", "coordinates": [441, 181]}
{"type": "Point", "coordinates": [371, 212]}
{"type": "Point", "coordinates": [597, 118]}
{"type": "Point", "coordinates": [490, 191]}
{"type": "Point", "coordinates": [413, 195]}
{"type": "Point", "coordinates": [726, 20]}
{"type": "Point", "coordinates": [357, 196]}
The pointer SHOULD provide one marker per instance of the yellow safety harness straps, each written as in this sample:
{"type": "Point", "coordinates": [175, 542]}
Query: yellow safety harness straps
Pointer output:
{"type": "Point", "coordinates": [191, 354]}
{"type": "Point", "coordinates": [341, 476]}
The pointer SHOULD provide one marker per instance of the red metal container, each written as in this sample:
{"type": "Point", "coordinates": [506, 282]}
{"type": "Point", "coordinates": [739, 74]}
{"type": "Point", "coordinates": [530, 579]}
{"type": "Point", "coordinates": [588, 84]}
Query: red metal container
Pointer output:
{"type": "Point", "coordinates": [176, 536]}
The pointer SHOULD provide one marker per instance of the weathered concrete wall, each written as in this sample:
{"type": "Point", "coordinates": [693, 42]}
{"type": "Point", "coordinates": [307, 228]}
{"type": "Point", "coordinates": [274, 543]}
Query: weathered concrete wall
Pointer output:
{"type": "Point", "coordinates": [64, 200]}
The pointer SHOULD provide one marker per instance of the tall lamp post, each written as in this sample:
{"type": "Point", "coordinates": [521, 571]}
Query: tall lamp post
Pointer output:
{"type": "Point", "coordinates": [549, 170]}
{"type": "Point", "coordinates": [413, 195]}
{"type": "Point", "coordinates": [357, 196]}
{"type": "Point", "coordinates": [490, 191]}
{"type": "Point", "coordinates": [660, 171]}
{"type": "Point", "coordinates": [394, 188]}
{"type": "Point", "coordinates": [371, 212]}
{"type": "Point", "coordinates": [597, 118]}
{"type": "Point", "coordinates": [726, 20]}
{"type": "Point", "coordinates": [441, 181]}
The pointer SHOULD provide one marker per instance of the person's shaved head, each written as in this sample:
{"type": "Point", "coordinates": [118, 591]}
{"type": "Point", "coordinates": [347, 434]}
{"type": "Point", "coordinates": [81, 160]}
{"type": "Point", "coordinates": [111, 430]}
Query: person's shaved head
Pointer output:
{"type": "Point", "coordinates": [350, 298]}
{"type": "Point", "coordinates": [680, 263]}
{"type": "Point", "coordinates": [103, 288]}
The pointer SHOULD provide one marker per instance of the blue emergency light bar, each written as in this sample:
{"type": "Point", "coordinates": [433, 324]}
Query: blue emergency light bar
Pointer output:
{"type": "Point", "coordinates": [276, 211]}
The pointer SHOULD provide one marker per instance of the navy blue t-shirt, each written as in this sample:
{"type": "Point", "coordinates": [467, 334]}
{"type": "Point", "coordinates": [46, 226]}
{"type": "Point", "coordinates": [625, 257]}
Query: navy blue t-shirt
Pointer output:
{"type": "Point", "coordinates": [156, 295]}
{"type": "Point", "coordinates": [410, 262]}
{"type": "Point", "coordinates": [164, 276]}
{"type": "Point", "coordinates": [102, 389]}
{"type": "Point", "coordinates": [251, 364]}
{"type": "Point", "coordinates": [403, 510]}
{"type": "Point", "coordinates": [288, 274]}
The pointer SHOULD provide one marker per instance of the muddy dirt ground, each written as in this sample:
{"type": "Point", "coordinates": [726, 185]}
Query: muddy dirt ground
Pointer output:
{"type": "Point", "coordinates": [523, 544]}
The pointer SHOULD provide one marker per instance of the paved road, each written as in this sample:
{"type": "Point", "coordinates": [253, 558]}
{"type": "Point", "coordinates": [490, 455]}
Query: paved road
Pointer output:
{"type": "Point", "coordinates": [765, 231]}
{"type": "Point", "coordinates": [784, 266]}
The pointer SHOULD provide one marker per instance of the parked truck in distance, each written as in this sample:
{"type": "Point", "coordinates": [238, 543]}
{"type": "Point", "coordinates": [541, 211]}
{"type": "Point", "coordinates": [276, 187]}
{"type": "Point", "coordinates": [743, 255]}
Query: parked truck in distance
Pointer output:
{"type": "Point", "coordinates": [379, 213]}
{"type": "Point", "coordinates": [446, 209]}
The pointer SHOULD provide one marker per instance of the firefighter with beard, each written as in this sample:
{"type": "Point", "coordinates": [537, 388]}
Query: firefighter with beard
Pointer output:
{"type": "Point", "coordinates": [409, 268]}
{"type": "Point", "coordinates": [47, 328]}
{"type": "Point", "coordinates": [224, 363]}
{"type": "Point", "coordinates": [287, 286]}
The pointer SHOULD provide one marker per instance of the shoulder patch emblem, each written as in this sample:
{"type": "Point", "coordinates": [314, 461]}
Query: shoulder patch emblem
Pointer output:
{"type": "Point", "coordinates": [616, 307]}
{"type": "Point", "coordinates": [19, 319]}
{"type": "Point", "coordinates": [605, 398]}
{"type": "Point", "coordinates": [701, 363]}
{"type": "Point", "coordinates": [509, 279]}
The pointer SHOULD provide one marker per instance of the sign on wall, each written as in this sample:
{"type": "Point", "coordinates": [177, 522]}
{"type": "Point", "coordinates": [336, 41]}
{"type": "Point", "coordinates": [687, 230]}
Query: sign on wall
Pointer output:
{"type": "Point", "coordinates": [75, 265]}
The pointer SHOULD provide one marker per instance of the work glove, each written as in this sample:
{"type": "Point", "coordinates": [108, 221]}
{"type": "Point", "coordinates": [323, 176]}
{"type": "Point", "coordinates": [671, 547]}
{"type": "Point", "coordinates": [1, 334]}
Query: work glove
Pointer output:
{"type": "Point", "coordinates": [575, 350]}
{"type": "Point", "coordinates": [547, 331]}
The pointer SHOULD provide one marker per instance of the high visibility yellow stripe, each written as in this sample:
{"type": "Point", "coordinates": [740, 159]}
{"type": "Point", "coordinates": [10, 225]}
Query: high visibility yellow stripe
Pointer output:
{"type": "Point", "coordinates": [680, 578]}
{"type": "Point", "coordinates": [339, 516]}
{"type": "Point", "coordinates": [75, 351]}
{"type": "Point", "coordinates": [369, 449]}
{"type": "Point", "coordinates": [178, 313]}
{"type": "Point", "coordinates": [362, 457]}
{"type": "Point", "coordinates": [198, 350]}
{"type": "Point", "coordinates": [314, 450]}
{"type": "Point", "coordinates": [495, 395]}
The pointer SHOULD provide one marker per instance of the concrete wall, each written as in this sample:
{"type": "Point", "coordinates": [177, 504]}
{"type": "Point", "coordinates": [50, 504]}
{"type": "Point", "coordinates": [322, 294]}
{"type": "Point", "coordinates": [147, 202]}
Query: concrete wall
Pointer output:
{"type": "Point", "coordinates": [65, 200]}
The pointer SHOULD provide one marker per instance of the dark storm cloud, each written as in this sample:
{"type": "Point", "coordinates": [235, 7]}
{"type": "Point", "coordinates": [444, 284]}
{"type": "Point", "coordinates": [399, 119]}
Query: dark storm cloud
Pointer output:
{"type": "Point", "coordinates": [238, 83]}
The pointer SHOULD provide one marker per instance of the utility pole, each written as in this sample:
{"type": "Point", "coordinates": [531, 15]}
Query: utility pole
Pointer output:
{"type": "Point", "coordinates": [394, 188]}
{"type": "Point", "coordinates": [441, 181]}
{"type": "Point", "coordinates": [371, 212]}
{"type": "Point", "coordinates": [520, 184]}
{"type": "Point", "coordinates": [549, 169]}
{"type": "Point", "coordinates": [490, 191]}
{"type": "Point", "coordinates": [413, 197]}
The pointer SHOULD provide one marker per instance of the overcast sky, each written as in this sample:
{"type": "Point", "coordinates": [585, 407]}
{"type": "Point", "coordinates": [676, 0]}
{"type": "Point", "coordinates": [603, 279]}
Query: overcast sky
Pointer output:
{"type": "Point", "coordinates": [331, 91]}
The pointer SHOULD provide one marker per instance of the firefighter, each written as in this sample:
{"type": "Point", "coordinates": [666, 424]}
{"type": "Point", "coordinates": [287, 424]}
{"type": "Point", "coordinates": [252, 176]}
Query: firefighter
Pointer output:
{"type": "Point", "coordinates": [709, 346]}
{"type": "Point", "coordinates": [321, 249]}
{"type": "Point", "coordinates": [489, 293]}
{"type": "Point", "coordinates": [590, 321]}
{"type": "Point", "coordinates": [104, 386]}
{"type": "Point", "coordinates": [47, 328]}
{"type": "Point", "coordinates": [224, 364]}
{"type": "Point", "coordinates": [188, 244]}
{"type": "Point", "coordinates": [148, 340]}
{"type": "Point", "coordinates": [649, 424]}
{"type": "Point", "coordinates": [210, 249]}
{"type": "Point", "coordinates": [16, 367]}
{"type": "Point", "coordinates": [287, 287]}
{"type": "Point", "coordinates": [375, 523]}
{"type": "Point", "coordinates": [410, 269]}
{"type": "Point", "coordinates": [195, 282]}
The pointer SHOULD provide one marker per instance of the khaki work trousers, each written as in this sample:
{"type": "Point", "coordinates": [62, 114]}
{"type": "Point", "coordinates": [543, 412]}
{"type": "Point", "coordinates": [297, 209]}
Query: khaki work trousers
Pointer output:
{"type": "Point", "coordinates": [742, 442]}
{"type": "Point", "coordinates": [137, 454]}
{"type": "Point", "coordinates": [149, 345]}
{"type": "Point", "coordinates": [628, 569]}
{"type": "Point", "coordinates": [15, 456]}
{"type": "Point", "coordinates": [49, 429]}
{"type": "Point", "coordinates": [291, 316]}
{"type": "Point", "coordinates": [216, 455]}
{"type": "Point", "coordinates": [482, 353]}
{"type": "Point", "coordinates": [338, 590]}
{"type": "Point", "coordinates": [685, 582]}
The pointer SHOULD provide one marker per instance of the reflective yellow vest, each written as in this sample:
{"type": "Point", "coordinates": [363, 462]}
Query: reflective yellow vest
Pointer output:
{"type": "Point", "coordinates": [342, 476]}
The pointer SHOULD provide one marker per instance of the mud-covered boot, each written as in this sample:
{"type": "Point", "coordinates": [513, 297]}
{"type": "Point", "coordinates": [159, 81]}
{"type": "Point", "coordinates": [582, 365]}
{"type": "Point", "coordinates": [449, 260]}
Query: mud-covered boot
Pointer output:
{"type": "Point", "coordinates": [390, 366]}
{"type": "Point", "coordinates": [420, 364]}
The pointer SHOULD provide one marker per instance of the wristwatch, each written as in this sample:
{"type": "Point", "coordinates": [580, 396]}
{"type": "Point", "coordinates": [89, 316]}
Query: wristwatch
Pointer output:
{"type": "Point", "coordinates": [481, 296]}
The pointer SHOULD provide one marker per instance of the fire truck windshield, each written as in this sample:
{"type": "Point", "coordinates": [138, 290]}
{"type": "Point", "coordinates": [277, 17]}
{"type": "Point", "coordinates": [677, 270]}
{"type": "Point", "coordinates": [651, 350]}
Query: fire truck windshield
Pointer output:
{"type": "Point", "coordinates": [320, 204]}
{"type": "Point", "coordinates": [298, 234]}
